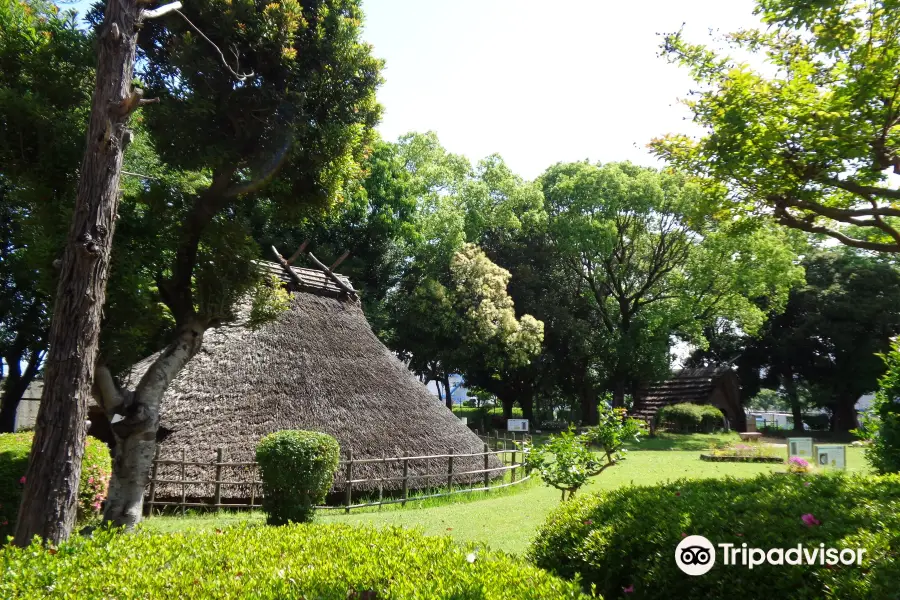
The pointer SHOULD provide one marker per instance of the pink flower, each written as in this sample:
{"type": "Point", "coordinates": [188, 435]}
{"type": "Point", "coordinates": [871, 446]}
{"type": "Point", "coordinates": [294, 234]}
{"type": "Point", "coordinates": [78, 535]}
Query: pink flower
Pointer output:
{"type": "Point", "coordinates": [22, 481]}
{"type": "Point", "coordinates": [628, 590]}
{"type": "Point", "coordinates": [588, 522]}
{"type": "Point", "coordinates": [677, 493]}
{"type": "Point", "coordinates": [805, 484]}
{"type": "Point", "coordinates": [683, 534]}
{"type": "Point", "coordinates": [90, 480]}
{"type": "Point", "coordinates": [809, 520]}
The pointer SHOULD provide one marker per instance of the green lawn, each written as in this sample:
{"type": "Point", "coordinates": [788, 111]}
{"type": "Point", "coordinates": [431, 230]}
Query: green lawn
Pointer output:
{"type": "Point", "coordinates": [508, 522]}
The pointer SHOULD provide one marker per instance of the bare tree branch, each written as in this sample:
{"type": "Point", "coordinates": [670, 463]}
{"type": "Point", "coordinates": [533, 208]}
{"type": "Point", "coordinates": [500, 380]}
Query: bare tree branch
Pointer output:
{"type": "Point", "coordinates": [235, 74]}
{"type": "Point", "coordinates": [162, 10]}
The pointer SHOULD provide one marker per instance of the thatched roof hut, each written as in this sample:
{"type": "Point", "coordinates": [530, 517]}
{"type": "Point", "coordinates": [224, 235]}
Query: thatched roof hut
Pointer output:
{"type": "Point", "coordinates": [718, 386]}
{"type": "Point", "coordinates": [319, 367]}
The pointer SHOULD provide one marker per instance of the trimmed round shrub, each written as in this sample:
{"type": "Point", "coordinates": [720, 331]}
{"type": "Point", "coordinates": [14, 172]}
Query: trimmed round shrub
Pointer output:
{"type": "Point", "coordinates": [297, 470]}
{"type": "Point", "coordinates": [626, 538]}
{"type": "Point", "coordinates": [325, 562]}
{"type": "Point", "coordinates": [688, 418]}
{"type": "Point", "coordinates": [96, 467]}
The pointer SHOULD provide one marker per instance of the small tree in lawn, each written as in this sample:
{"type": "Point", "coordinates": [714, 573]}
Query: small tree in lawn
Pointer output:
{"type": "Point", "coordinates": [568, 460]}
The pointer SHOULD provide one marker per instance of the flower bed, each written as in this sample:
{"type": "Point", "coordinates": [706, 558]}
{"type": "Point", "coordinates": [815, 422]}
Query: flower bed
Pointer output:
{"type": "Point", "coordinates": [741, 458]}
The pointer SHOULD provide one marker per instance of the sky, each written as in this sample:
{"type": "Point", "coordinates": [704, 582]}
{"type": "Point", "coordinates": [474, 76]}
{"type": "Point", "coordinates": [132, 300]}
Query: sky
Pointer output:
{"type": "Point", "coordinates": [539, 82]}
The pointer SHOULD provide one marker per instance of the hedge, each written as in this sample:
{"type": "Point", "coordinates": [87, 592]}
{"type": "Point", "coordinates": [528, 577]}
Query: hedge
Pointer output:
{"type": "Point", "coordinates": [687, 417]}
{"type": "Point", "coordinates": [297, 470]}
{"type": "Point", "coordinates": [625, 539]}
{"type": "Point", "coordinates": [96, 466]}
{"type": "Point", "coordinates": [325, 562]}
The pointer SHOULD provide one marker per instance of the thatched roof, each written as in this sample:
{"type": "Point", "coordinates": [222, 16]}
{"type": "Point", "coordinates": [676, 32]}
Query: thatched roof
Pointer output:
{"type": "Point", "coordinates": [688, 385]}
{"type": "Point", "coordinates": [319, 367]}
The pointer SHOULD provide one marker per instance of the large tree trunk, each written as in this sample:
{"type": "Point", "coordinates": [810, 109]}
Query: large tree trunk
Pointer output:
{"type": "Point", "coordinates": [134, 416]}
{"type": "Point", "coordinates": [51, 489]}
{"type": "Point", "coordinates": [448, 393]}
{"type": "Point", "coordinates": [790, 388]}
{"type": "Point", "coordinates": [15, 385]}
{"type": "Point", "coordinates": [619, 393]}
{"type": "Point", "coordinates": [843, 416]}
{"type": "Point", "coordinates": [589, 414]}
{"type": "Point", "coordinates": [526, 401]}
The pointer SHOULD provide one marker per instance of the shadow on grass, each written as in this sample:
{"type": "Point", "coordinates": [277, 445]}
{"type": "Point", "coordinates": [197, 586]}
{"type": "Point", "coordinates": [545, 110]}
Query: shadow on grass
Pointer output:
{"type": "Point", "coordinates": [684, 441]}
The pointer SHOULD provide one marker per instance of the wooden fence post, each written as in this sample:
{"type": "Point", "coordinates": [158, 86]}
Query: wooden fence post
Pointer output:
{"type": "Point", "coordinates": [405, 476]}
{"type": "Point", "coordinates": [218, 493]}
{"type": "Point", "coordinates": [348, 499]}
{"type": "Point", "coordinates": [153, 476]}
{"type": "Point", "coordinates": [183, 495]}
{"type": "Point", "coordinates": [487, 478]}
{"type": "Point", "coordinates": [381, 479]}
{"type": "Point", "coordinates": [450, 471]}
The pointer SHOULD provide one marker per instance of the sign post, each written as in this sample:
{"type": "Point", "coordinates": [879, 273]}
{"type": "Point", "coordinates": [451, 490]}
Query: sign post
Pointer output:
{"type": "Point", "coordinates": [802, 447]}
{"type": "Point", "coordinates": [517, 425]}
{"type": "Point", "coordinates": [834, 456]}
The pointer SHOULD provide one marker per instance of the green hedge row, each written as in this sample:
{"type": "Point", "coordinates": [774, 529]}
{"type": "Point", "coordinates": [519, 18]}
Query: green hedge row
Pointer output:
{"type": "Point", "coordinates": [15, 448]}
{"type": "Point", "coordinates": [687, 418]}
{"type": "Point", "coordinates": [626, 539]}
{"type": "Point", "coordinates": [472, 413]}
{"type": "Point", "coordinates": [321, 562]}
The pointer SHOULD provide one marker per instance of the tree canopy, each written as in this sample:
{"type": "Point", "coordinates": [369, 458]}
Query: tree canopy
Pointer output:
{"type": "Point", "coordinates": [813, 136]}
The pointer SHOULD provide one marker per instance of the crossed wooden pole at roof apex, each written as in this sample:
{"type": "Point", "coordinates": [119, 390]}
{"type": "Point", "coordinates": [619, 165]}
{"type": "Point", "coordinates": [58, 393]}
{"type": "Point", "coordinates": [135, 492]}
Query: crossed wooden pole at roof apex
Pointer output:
{"type": "Point", "coordinates": [329, 271]}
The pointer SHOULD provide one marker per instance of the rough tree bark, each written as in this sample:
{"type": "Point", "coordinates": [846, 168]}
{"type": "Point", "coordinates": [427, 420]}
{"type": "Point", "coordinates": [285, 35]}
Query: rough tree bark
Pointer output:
{"type": "Point", "coordinates": [51, 489]}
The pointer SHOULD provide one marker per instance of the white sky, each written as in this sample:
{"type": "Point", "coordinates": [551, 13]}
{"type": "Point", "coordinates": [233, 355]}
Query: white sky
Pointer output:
{"type": "Point", "coordinates": [539, 82]}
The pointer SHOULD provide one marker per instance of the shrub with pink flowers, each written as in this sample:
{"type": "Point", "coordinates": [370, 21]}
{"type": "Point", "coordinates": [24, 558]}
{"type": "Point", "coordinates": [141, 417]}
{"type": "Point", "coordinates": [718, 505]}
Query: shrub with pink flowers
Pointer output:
{"type": "Point", "coordinates": [798, 465]}
{"type": "Point", "coordinates": [96, 466]}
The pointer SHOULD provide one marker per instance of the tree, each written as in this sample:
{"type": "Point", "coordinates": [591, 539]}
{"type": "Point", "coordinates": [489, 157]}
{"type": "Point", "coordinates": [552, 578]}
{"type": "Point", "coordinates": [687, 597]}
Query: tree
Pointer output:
{"type": "Point", "coordinates": [823, 349]}
{"type": "Point", "coordinates": [42, 111]}
{"type": "Point", "coordinates": [567, 461]}
{"type": "Point", "coordinates": [280, 133]}
{"type": "Point", "coordinates": [812, 142]}
{"type": "Point", "coordinates": [883, 426]}
{"type": "Point", "coordinates": [649, 255]}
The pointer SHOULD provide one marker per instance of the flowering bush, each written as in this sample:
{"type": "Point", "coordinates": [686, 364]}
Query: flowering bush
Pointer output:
{"type": "Point", "coordinates": [624, 538]}
{"type": "Point", "coordinates": [798, 465]}
{"type": "Point", "coordinates": [567, 461]}
{"type": "Point", "coordinates": [96, 468]}
{"type": "Point", "coordinates": [14, 450]}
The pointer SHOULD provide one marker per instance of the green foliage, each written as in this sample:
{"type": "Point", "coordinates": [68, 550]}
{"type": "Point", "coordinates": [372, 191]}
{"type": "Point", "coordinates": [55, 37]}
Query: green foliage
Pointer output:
{"type": "Point", "coordinates": [643, 251]}
{"type": "Point", "coordinates": [297, 470]}
{"type": "Point", "coordinates": [566, 461]}
{"type": "Point", "coordinates": [883, 426]}
{"type": "Point", "coordinates": [96, 468]}
{"type": "Point", "coordinates": [334, 562]}
{"type": "Point", "coordinates": [769, 400]}
{"type": "Point", "coordinates": [822, 350]}
{"type": "Point", "coordinates": [627, 537]}
{"type": "Point", "coordinates": [688, 418]}
{"type": "Point", "coordinates": [15, 448]}
{"type": "Point", "coordinates": [270, 299]}
{"type": "Point", "coordinates": [809, 139]}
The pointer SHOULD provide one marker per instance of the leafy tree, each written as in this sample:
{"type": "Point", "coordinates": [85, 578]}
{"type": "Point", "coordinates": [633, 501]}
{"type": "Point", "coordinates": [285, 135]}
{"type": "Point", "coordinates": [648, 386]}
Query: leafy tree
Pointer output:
{"type": "Point", "coordinates": [823, 349]}
{"type": "Point", "coordinates": [647, 253]}
{"type": "Point", "coordinates": [283, 133]}
{"type": "Point", "coordinates": [883, 426]}
{"type": "Point", "coordinates": [45, 75]}
{"type": "Point", "coordinates": [567, 461]}
{"type": "Point", "coordinates": [809, 141]}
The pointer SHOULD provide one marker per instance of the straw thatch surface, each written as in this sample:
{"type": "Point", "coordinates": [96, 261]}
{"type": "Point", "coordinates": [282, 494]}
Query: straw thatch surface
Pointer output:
{"type": "Point", "coordinates": [697, 386]}
{"type": "Point", "coordinates": [318, 367]}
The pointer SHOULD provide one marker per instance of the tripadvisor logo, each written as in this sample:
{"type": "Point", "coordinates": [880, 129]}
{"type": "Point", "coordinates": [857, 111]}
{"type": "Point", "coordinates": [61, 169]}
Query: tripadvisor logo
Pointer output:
{"type": "Point", "coordinates": [695, 555]}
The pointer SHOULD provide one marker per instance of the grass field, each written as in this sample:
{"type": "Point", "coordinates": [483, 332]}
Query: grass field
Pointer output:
{"type": "Point", "coordinates": [508, 522]}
